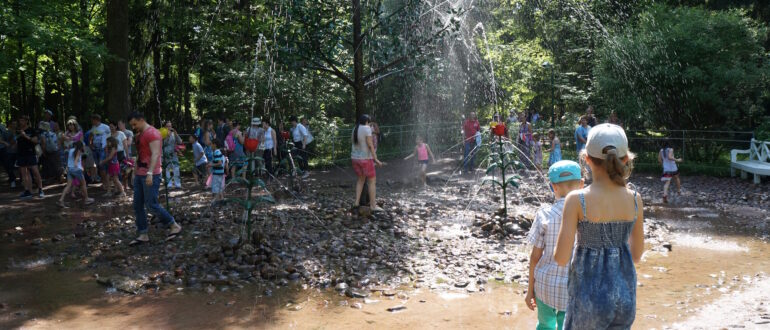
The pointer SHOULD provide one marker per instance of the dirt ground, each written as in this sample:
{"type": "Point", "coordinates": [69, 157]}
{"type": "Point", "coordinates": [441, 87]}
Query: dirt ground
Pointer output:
{"type": "Point", "coordinates": [714, 276]}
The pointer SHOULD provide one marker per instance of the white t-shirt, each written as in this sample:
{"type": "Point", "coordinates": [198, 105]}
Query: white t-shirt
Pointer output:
{"type": "Point", "coordinates": [120, 137]}
{"type": "Point", "coordinates": [360, 150]}
{"type": "Point", "coordinates": [100, 134]}
{"type": "Point", "coordinates": [299, 133]}
{"type": "Point", "coordinates": [72, 162]}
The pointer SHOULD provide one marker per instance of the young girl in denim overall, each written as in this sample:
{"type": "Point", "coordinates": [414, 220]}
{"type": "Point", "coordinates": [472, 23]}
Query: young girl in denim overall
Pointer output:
{"type": "Point", "coordinates": [607, 217]}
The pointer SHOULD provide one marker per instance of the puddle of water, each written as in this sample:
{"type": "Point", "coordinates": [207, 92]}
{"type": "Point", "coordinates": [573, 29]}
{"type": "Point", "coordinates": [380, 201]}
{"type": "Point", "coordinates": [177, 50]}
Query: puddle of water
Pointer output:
{"type": "Point", "coordinates": [452, 295]}
{"type": "Point", "coordinates": [675, 285]}
{"type": "Point", "coordinates": [708, 243]}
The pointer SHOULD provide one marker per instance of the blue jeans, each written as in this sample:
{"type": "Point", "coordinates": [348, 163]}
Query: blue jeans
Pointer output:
{"type": "Point", "coordinates": [147, 197]}
{"type": "Point", "coordinates": [99, 155]}
{"type": "Point", "coordinates": [468, 163]}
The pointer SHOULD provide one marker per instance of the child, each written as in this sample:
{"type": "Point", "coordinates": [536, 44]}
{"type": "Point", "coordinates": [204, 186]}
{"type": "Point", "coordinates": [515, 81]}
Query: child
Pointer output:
{"type": "Point", "coordinates": [113, 167]}
{"type": "Point", "coordinates": [422, 150]}
{"type": "Point", "coordinates": [548, 281]}
{"type": "Point", "coordinates": [218, 165]}
{"type": "Point", "coordinates": [75, 172]}
{"type": "Point", "coordinates": [607, 216]}
{"type": "Point", "coordinates": [554, 152]}
{"type": "Point", "coordinates": [537, 151]}
{"type": "Point", "coordinates": [169, 155]}
{"type": "Point", "coordinates": [670, 170]}
{"type": "Point", "coordinates": [200, 171]}
{"type": "Point", "coordinates": [127, 170]}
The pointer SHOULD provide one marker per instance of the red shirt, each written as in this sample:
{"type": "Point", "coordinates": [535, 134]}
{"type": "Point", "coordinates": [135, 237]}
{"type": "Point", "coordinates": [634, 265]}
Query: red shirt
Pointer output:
{"type": "Point", "coordinates": [150, 134]}
{"type": "Point", "coordinates": [471, 127]}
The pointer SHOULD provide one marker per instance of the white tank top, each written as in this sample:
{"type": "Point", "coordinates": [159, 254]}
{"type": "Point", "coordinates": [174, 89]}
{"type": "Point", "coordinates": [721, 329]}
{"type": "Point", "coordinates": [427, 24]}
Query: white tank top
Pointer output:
{"type": "Point", "coordinates": [669, 165]}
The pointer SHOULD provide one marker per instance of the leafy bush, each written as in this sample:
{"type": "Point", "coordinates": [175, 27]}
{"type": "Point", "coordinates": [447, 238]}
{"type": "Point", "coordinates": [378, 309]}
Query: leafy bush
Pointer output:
{"type": "Point", "coordinates": [763, 131]}
{"type": "Point", "coordinates": [685, 68]}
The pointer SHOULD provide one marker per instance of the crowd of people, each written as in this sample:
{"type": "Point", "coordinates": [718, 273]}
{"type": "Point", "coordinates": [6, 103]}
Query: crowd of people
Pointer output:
{"type": "Point", "coordinates": [107, 153]}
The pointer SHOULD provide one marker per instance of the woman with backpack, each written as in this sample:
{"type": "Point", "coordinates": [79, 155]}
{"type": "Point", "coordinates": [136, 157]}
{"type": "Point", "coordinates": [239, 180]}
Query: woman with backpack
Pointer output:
{"type": "Point", "coordinates": [51, 160]}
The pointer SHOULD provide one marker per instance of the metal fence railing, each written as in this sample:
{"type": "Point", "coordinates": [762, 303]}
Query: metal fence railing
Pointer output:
{"type": "Point", "coordinates": [701, 149]}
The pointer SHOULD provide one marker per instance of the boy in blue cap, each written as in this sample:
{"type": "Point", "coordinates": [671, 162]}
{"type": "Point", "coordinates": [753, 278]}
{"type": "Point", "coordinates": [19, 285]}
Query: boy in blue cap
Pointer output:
{"type": "Point", "coordinates": [547, 280]}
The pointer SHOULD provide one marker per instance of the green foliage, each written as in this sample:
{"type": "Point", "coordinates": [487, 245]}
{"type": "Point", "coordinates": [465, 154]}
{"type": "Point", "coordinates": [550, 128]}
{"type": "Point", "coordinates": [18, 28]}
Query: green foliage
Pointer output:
{"type": "Point", "coordinates": [762, 132]}
{"type": "Point", "coordinates": [685, 68]}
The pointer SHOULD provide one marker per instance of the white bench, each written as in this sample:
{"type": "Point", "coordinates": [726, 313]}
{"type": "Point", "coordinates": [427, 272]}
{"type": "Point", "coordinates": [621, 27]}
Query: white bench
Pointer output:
{"type": "Point", "coordinates": [757, 164]}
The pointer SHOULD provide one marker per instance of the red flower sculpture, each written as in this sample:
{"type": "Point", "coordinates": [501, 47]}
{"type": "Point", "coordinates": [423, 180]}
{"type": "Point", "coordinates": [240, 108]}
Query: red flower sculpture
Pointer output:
{"type": "Point", "coordinates": [285, 135]}
{"type": "Point", "coordinates": [499, 130]}
{"type": "Point", "coordinates": [251, 145]}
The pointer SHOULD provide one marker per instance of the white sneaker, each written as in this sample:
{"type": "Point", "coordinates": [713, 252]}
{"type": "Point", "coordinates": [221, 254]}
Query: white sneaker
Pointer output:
{"type": "Point", "coordinates": [13, 184]}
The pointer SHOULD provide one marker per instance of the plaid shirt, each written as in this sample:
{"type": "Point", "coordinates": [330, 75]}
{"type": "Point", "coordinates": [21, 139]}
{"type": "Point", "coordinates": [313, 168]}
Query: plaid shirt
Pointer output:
{"type": "Point", "coordinates": [550, 278]}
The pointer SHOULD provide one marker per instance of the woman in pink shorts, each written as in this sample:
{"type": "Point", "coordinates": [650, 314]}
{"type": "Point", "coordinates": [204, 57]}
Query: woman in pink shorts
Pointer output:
{"type": "Point", "coordinates": [364, 158]}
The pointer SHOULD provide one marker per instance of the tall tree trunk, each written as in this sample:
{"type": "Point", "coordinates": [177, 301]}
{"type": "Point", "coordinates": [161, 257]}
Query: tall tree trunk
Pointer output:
{"type": "Point", "coordinates": [74, 88]}
{"type": "Point", "coordinates": [85, 87]}
{"type": "Point", "coordinates": [157, 83]}
{"type": "Point", "coordinates": [33, 99]}
{"type": "Point", "coordinates": [85, 74]}
{"type": "Point", "coordinates": [17, 100]}
{"type": "Point", "coordinates": [116, 77]}
{"type": "Point", "coordinates": [358, 62]}
{"type": "Point", "coordinates": [187, 103]}
{"type": "Point", "coordinates": [23, 82]}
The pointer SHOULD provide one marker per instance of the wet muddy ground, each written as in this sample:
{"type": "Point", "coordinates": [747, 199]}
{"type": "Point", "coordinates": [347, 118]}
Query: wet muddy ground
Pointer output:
{"type": "Point", "coordinates": [706, 266]}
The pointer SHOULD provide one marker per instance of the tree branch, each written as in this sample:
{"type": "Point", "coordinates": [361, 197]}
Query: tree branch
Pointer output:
{"type": "Point", "coordinates": [404, 57]}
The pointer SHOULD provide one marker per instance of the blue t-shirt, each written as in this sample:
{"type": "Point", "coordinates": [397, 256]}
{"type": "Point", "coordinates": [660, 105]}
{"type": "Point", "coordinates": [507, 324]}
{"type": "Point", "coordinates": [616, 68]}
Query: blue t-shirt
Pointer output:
{"type": "Point", "coordinates": [198, 152]}
{"type": "Point", "coordinates": [581, 132]}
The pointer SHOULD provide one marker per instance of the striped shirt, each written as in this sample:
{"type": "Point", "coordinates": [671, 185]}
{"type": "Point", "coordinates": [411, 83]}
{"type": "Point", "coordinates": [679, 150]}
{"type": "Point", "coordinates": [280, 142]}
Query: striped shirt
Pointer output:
{"type": "Point", "coordinates": [550, 278]}
{"type": "Point", "coordinates": [218, 158]}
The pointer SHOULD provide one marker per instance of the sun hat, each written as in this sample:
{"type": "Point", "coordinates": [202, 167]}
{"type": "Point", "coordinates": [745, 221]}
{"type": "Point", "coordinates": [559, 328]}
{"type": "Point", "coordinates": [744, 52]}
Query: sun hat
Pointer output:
{"type": "Point", "coordinates": [49, 112]}
{"type": "Point", "coordinates": [603, 137]}
{"type": "Point", "coordinates": [564, 170]}
{"type": "Point", "coordinates": [256, 121]}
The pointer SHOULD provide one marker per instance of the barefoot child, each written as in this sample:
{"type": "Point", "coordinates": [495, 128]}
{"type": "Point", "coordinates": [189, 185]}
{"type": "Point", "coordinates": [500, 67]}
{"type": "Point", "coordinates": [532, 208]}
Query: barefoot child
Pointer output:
{"type": "Point", "coordinates": [607, 217]}
{"type": "Point", "coordinates": [422, 150]}
{"type": "Point", "coordinates": [218, 165]}
{"type": "Point", "coordinates": [548, 281]}
{"type": "Point", "coordinates": [113, 168]}
{"type": "Point", "coordinates": [670, 170]}
{"type": "Point", "coordinates": [200, 171]}
{"type": "Point", "coordinates": [537, 151]}
{"type": "Point", "coordinates": [75, 172]}
{"type": "Point", "coordinates": [554, 152]}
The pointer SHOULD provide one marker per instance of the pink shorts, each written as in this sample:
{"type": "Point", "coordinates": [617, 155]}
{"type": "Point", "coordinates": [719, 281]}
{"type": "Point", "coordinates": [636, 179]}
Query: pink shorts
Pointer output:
{"type": "Point", "coordinates": [113, 169]}
{"type": "Point", "coordinates": [364, 167]}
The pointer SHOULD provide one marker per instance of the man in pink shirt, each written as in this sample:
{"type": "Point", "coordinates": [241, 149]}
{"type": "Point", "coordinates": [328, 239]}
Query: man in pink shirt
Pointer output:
{"type": "Point", "coordinates": [147, 180]}
{"type": "Point", "coordinates": [470, 128]}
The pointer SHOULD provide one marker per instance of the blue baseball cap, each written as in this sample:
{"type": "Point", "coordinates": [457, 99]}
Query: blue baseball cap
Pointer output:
{"type": "Point", "coordinates": [564, 170]}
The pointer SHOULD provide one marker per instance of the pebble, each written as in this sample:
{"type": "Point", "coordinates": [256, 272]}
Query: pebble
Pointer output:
{"type": "Point", "coordinates": [342, 286]}
{"type": "Point", "coordinates": [396, 308]}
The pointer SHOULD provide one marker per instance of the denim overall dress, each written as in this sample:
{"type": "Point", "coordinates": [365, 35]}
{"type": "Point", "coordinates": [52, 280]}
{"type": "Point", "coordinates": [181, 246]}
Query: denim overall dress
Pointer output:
{"type": "Point", "coordinates": [602, 277]}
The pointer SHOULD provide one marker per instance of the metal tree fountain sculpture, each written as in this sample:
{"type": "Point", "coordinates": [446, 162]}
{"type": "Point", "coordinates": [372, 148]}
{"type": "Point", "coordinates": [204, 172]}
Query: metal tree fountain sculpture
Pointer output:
{"type": "Point", "coordinates": [252, 180]}
{"type": "Point", "coordinates": [503, 160]}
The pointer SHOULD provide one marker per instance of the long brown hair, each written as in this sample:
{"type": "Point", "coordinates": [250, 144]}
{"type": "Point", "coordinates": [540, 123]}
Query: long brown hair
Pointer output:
{"type": "Point", "coordinates": [617, 171]}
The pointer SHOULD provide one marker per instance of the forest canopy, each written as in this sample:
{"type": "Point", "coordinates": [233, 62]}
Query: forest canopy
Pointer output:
{"type": "Point", "coordinates": [670, 64]}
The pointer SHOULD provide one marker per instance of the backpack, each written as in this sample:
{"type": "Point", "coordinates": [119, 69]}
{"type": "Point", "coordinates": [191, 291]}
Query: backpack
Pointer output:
{"type": "Point", "coordinates": [51, 142]}
{"type": "Point", "coordinates": [229, 141]}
